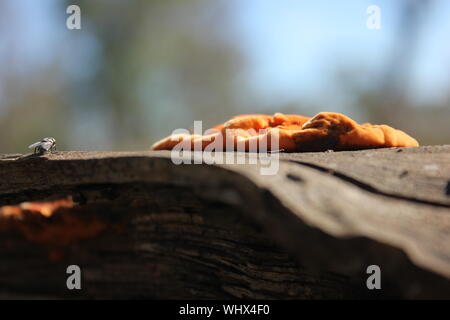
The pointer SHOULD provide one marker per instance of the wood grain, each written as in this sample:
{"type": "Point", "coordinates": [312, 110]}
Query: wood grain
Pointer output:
{"type": "Point", "coordinates": [226, 231]}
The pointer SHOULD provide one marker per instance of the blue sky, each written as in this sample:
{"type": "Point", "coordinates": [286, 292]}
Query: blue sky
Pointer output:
{"type": "Point", "coordinates": [294, 47]}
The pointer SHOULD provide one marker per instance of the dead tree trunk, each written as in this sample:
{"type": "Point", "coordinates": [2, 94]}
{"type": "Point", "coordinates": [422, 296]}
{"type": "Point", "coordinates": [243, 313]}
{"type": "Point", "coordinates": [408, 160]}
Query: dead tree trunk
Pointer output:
{"type": "Point", "coordinates": [143, 227]}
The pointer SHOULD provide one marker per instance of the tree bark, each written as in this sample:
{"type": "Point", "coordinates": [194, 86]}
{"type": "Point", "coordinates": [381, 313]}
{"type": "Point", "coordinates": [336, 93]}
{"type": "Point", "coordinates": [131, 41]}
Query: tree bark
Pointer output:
{"type": "Point", "coordinates": [143, 227]}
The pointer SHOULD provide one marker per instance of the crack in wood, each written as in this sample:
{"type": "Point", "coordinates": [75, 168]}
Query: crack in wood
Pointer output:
{"type": "Point", "coordinates": [223, 231]}
{"type": "Point", "coordinates": [368, 187]}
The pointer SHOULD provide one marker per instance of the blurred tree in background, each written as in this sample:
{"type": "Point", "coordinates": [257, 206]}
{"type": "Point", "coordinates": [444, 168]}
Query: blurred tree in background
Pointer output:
{"type": "Point", "coordinates": [139, 69]}
{"type": "Point", "coordinates": [131, 75]}
{"type": "Point", "coordinates": [161, 63]}
{"type": "Point", "coordinates": [386, 100]}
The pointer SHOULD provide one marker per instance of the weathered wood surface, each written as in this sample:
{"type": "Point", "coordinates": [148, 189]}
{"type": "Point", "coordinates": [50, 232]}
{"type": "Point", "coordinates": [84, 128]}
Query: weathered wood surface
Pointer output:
{"type": "Point", "coordinates": [224, 231]}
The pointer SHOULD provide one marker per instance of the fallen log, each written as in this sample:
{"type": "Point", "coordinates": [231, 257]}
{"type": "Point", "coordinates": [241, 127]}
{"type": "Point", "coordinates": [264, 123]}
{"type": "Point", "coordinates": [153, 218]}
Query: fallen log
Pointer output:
{"type": "Point", "coordinates": [140, 226]}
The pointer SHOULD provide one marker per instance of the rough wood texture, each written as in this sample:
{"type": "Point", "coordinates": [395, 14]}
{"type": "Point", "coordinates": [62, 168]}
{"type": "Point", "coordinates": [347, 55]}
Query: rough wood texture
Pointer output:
{"type": "Point", "coordinates": [144, 227]}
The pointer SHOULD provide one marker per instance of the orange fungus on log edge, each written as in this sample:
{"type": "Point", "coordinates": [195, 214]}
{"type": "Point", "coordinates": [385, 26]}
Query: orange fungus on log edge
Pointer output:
{"type": "Point", "coordinates": [295, 133]}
